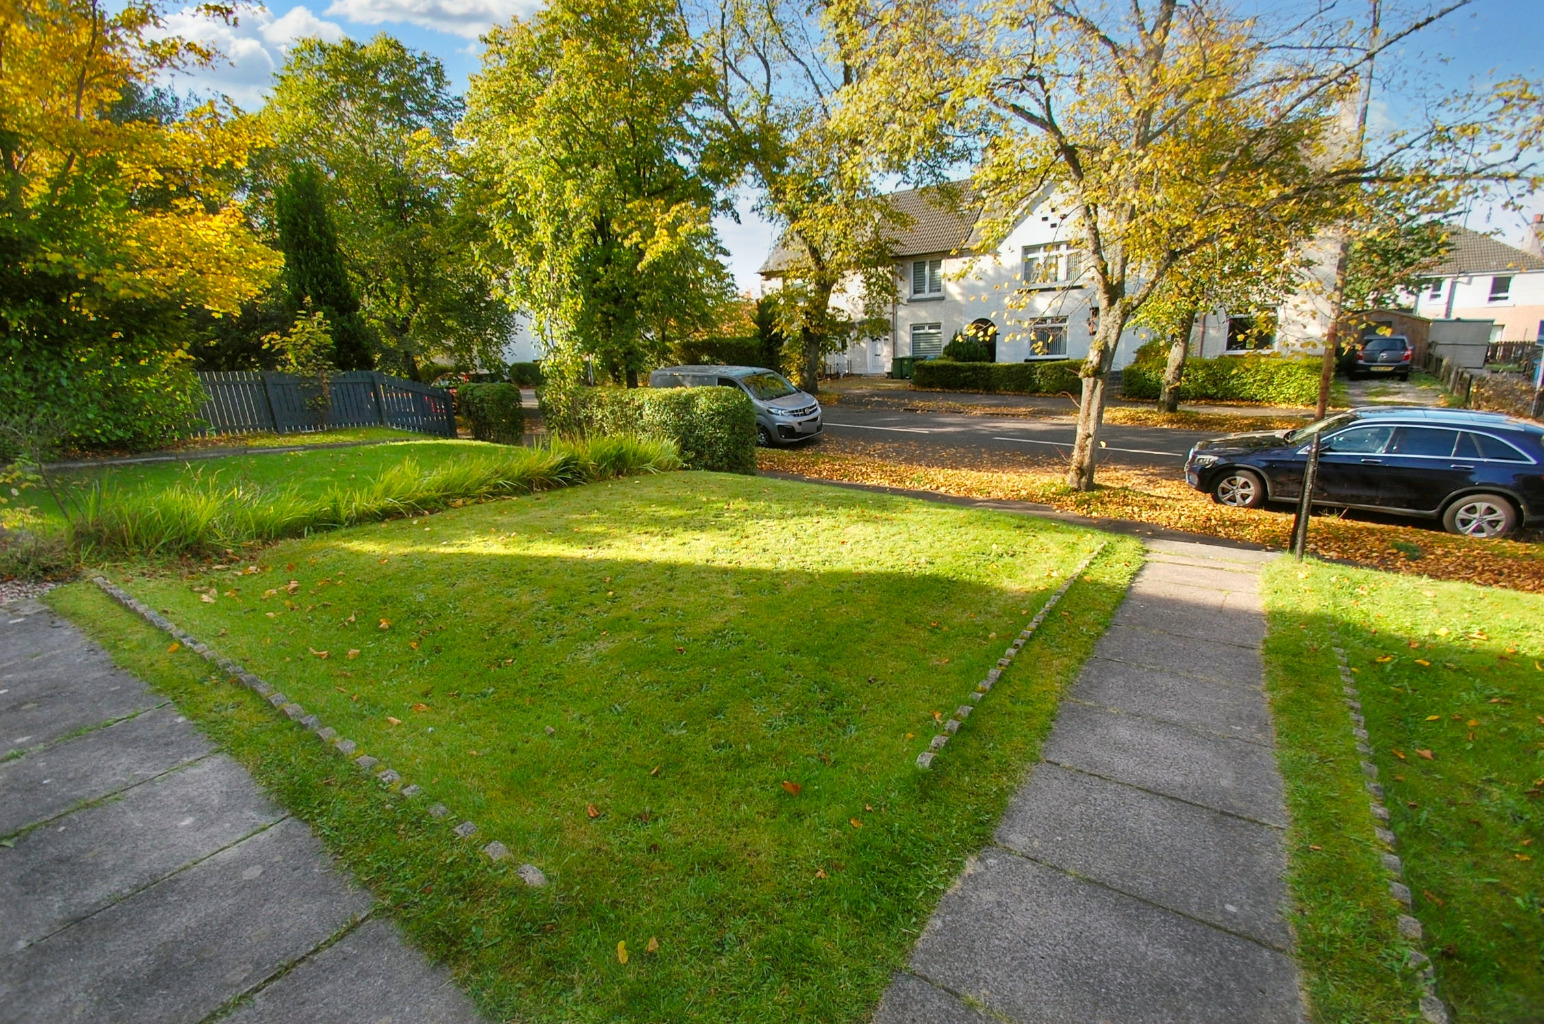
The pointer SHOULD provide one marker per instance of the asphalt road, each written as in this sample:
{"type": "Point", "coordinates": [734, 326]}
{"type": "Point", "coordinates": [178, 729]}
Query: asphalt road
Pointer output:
{"type": "Point", "coordinates": [1159, 447]}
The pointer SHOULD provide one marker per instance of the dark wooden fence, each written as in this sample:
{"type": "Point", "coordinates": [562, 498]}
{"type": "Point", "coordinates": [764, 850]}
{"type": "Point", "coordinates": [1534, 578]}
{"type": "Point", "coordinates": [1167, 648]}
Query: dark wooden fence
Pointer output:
{"type": "Point", "coordinates": [1518, 353]}
{"type": "Point", "coordinates": [248, 401]}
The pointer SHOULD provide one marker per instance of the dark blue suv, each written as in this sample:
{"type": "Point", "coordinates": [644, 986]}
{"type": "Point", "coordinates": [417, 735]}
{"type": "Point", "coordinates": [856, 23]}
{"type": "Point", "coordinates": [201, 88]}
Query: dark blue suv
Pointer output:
{"type": "Point", "coordinates": [1480, 473]}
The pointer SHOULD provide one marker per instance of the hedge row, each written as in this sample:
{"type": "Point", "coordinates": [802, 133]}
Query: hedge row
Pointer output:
{"type": "Point", "coordinates": [746, 351]}
{"type": "Point", "coordinates": [526, 375]}
{"type": "Point", "coordinates": [1270, 379]}
{"type": "Point", "coordinates": [712, 428]}
{"type": "Point", "coordinates": [1042, 378]}
{"type": "Point", "coordinates": [494, 411]}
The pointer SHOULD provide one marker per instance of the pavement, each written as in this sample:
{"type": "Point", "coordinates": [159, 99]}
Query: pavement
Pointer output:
{"type": "Point", "coordinates": [883, 392]}
{"type": "Point", "coordinates": [144, 876]}
{"type": "Point", "coordinates": [1136, 877]}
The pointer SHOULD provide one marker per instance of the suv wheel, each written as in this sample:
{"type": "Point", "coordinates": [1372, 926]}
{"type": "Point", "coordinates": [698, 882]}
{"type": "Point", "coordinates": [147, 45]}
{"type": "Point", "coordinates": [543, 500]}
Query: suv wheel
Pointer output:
{"type": "Point", "coordinates": [1239, 488]}
{"type": "Point", "coordinates": [763, 436]}
{"type": "Point", "coordinates": [1480, 515]}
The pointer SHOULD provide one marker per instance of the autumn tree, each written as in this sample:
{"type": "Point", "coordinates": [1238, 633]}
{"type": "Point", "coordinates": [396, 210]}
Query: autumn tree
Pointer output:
{"type": "Point", "coordinates": [584, 124]}
{"type": "Point", "coordinates": [115, 219]}
{"type": "Point", "coordinates": [775, 76]}
{"type": "Point", "coordinates": [378, 121]}
{"type": "Point", "coordinates": [314, 275]}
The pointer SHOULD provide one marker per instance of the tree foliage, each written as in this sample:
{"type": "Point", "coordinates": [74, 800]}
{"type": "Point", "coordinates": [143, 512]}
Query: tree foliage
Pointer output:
{"type": "Point", "coordinates": [114, 219]}
{"type": "Point", "coordinates": [378, 121]}
{"type": "Point", "coordinates": [601, 184]}
{"type": "Point", "coordinates": [314, 274]}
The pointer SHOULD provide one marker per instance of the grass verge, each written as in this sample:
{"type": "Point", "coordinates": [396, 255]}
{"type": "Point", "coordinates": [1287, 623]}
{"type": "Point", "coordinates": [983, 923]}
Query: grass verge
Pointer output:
{"type": "Point", "coordinates": [694, 641]}
{"type": "Point", "coordinates": [1451, 679]}
{"type": "Point", "coordinates": [1161, 497]}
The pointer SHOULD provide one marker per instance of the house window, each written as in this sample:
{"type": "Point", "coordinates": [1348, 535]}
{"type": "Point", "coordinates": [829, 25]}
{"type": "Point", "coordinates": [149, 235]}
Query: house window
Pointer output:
{"type": "Point", "coordinates": [1438, 286]}
{"type": "Point", "coordinates": [927, 340]}
{"type": "Point", "coordinates": [1048, 338]}
{"type": "Point", "coordinates": [1051, 264]}
{"type": "Point", "coordinates": [1249, 333]}
{"type": "Point", "coordinates": [1500, 289]}
{"type": "Point", "coordinates": [927, 278]}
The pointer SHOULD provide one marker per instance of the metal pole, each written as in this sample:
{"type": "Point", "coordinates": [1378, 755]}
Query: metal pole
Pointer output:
{"type": "Point", "coordinates": [1305, 502]}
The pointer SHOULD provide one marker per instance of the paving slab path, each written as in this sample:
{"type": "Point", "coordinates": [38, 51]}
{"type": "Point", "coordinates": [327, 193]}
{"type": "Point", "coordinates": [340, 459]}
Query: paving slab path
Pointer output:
{"type": "Point", "coordinates": [145, 877]}
{"type": "Point", "coordinates": [1137, 876]}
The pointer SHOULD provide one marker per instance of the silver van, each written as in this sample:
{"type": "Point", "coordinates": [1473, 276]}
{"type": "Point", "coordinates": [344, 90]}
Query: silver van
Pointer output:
{"type": "Point", "coordinates": [784, 414]}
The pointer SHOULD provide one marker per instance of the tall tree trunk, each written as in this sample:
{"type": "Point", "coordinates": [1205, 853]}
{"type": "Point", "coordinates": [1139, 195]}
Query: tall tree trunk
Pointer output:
{"type": "Point", "coordinates": [812, 337]}
{"type": "Point", "coordinates": [1096, 379]}
{"type": "Point", "coordinates": [1179, 348]}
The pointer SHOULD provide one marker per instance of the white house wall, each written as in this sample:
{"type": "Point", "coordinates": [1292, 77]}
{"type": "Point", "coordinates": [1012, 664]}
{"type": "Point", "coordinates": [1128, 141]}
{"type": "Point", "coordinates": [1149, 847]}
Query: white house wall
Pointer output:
{"type": "Point", "coordinates": [1516, 318]}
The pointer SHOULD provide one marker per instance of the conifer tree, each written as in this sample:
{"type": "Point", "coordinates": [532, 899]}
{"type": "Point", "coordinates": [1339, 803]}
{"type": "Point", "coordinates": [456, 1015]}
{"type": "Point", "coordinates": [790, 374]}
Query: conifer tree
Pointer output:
{"type": "Point", "coordinates": [313, 266]}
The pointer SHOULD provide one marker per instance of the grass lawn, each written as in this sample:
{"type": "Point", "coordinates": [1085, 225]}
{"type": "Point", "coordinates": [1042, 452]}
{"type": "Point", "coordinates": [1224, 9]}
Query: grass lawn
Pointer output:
{"type": "Point", "coordinates": [737, 675]}
{"type": "Point", "coordinates": [308, 472]}
{"type": "Point", "coordinates": [1451, 680]}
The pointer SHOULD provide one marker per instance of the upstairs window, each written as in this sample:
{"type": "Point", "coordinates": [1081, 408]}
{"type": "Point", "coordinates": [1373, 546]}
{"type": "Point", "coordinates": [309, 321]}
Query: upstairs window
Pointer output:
{"type": "Point", "coordinates": [1054, 263]}
{"type": "Point", "coordinates": [1437, 288]}
{"type": "Point", "coordinates": [1500, 289]}
{"type": "Point", "coordinates": [927, 278]}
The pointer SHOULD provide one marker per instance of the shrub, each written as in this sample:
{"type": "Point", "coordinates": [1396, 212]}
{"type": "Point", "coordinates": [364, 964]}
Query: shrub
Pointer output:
{"type": "Point", "coordinates": [747, 351]}
{"type": "Point", "coordinates": [964, 349]}
{"type": "Point", "coordinates": [494, 410]}
{"type": "Point", "coordinates": [1269, 379]}
{"type": "Point", "coordinates": [526, 375]}
{"type": "Point", "coordinates": [712, 428]}
{"type": "Point", "coordinates": [1007, 378]}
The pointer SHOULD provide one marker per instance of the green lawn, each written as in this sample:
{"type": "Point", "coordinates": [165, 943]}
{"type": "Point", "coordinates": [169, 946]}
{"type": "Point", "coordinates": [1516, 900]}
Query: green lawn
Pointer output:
{"type": "Point", "coordinates": [693, 641]}
{"type": "Point", "coordinates": [1448, 670]}
{"type": "Point", "coordinates": [309, 472]}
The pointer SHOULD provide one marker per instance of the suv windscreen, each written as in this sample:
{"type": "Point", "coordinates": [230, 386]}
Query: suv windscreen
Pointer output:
{"type": "Point", "coordinates": [767, 386]}
{"type": "Point", "coordinates": [1307, 433]}
{"type": "Point", "coordinates": [1360, 441]}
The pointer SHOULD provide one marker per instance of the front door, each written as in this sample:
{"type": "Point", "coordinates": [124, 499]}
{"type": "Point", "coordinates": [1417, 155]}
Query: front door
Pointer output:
{"type": "Point", "coordinates": [1352, 466]}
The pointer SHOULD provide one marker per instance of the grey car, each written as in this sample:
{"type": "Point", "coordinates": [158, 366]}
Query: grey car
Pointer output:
{"type": "Point", "coordinates": [784, 414]}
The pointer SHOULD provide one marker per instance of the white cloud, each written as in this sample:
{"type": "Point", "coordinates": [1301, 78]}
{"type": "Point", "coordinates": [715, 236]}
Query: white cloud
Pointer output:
{"type": "Point", "coordinates": [252, 49]}
{"type": "Point", "coordinates": [468, 18]}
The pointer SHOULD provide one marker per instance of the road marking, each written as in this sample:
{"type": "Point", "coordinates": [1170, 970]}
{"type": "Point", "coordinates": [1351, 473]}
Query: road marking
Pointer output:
{"type": "Point", "coordinates": [865, 426]}
{"type": "Point", "coordinates": [1108, 448]}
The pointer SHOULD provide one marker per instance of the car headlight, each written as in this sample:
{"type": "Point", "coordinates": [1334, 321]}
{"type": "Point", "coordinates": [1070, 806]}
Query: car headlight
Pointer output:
{"type": "Point", "coordinates": [1203, 461]}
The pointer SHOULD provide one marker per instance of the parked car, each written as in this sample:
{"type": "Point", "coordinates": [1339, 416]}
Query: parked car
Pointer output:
{"type": "Point", "coordinates": [784, 414]}
{"type": "Point", "coordinates": [1480, 473]}
{"type": "Point", "coordinates": [1372, 356]}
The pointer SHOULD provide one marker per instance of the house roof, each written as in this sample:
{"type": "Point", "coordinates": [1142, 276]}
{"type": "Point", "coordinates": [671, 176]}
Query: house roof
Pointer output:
{"type": "Point", "coordinates": [1474, 253]}
{"type": "Point", "coordinates": [931, 226]}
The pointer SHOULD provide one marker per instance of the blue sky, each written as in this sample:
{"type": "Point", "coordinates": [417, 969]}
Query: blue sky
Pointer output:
{"type": "Point", "coordinates": [1487, 41]}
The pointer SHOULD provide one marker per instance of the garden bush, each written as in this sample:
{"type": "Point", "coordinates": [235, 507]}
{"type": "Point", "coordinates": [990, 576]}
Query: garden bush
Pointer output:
{"type": "Point", "coordinates": [745, 351]}
{"type": "Point", "coordinates": [1007, 378]}
{"type": "Point", "coordinates": [526, 375]}
{"type": "Point", "coordinates": [964, 349]}
{"type": "Point", "coordinates": [494, 411]}
{"type": "Point", "coordinates": [1268, 379]}
{"type": "Point", "coordinates": [711, 428]}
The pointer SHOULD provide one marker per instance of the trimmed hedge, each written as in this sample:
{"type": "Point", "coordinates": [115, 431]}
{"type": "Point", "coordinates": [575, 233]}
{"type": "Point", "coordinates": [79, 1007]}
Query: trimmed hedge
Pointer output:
{"type": "Point", "coordinates": [1269, 379]}
{"type": "Point", "coordinates": [713, 428]}
{"type": "Point", "coordinates": [1041, 378]}
{"type": "Point", "coordinates": [494, 410]}
{"type": "Point", "coordinates": [526, 375]}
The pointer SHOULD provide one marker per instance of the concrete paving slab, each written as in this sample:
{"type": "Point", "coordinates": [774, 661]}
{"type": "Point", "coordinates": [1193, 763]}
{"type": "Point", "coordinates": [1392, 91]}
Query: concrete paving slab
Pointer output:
{"type": "Point", "coordinates": [1211, 552]}
{"type": "Point", "coordinates": [910, 1000]}
{"type": "Point", "coordinates": [370, 976]}
{"type": "Point", "coordinates": [1208, 865]}
{"type": "Point", "coordinates": [70, 700]}
{"type": "Point", "coordinates": [1034, 944]}
{"type": "Point", "coordinates": [1226, 775]}
{"type": "Point", "coordinates": [1181, 655]}
{"type": "Point", "coordinates": [1214, 622]}
{"type": "Point", "coordinates": [175, 952]}
{"type": "Point", "coordinates": [1228, 709]}
{"type": "Point", "coordinates": [1198, 576]}
{"type": "Point", "coordinates": [90, 766]}
{"type": "Point", "coordinates": [70, 868]}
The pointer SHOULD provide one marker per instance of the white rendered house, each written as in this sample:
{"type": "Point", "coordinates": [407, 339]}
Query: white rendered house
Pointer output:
{"type": "Point", "coordinates": [1485, 279]}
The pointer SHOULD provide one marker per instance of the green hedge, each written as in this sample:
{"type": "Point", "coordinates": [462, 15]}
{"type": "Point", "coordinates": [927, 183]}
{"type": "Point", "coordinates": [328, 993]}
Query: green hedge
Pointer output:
{"type": "Point", "coordinates": [526, 375]}
{"type": "Point", "coordinates": [1270, 379]}
{"type": "Point", "coordinates": [1041, 378]}
{"type": "Point", "coordinates": [494, 410]}
{"type": "Point", "coordinates": [713, 428]}
{"type": "Point", "coordinates": [746, 351]}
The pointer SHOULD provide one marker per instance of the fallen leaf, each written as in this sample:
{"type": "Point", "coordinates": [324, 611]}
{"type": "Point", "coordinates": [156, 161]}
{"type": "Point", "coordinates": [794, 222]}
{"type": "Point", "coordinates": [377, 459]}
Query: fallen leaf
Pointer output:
{"type": "Point", "coordinates": [592, 810]}
{"type": "Point", "coordinates": [351, 618]}
{"type": "Point", "coordinates": [655, 770]}
{"type": "Point", "coordinates": [680, 650]}
{"type": "Point", "coordinates": [1443, 631]}
{"type": "Point", "coordinates": [393, 721]}
{"type": "Point", "coordinates": [174, 648]}
{"type": "Point", "coordinates": [869, 808]}
{"type": "Point", "coordinates": [1315, 846]}
{"type": "Point", "coordinates": [938, 716]}
{"type": "Point", "coordinates": [1522, 856]}
{"type": "Point", "coordinates": [911, 735]}
{"type": "Point", "coordinates": [413, 644]}
{"type": "Point", "coordinates": [383, 561]}
{"type": "Point", "coordinates": [420, 708]}
{"type": "Point", "coordinates": [1429, 718]}
{"type": "Point", "coordinates": [1400, 754]}
{"type": "Point", "coordinates": [1475, 721]}
{"type": "Point", "coordinates": [385, 623]}
{"type": "Point", "coordinates": [792, 787]}
{"type": "Point", "coordinates": [653, 946]}
{"type": "Point", "coordinates": [820, 873]}
{"type": "Point", "coordinates": [319, 654]}
{"type": "Point", "coordinates": [206, 598]}
{"type": "Point", "coordinates": [353, 652]}
{"type": "Point", "coordinates": [1384, 657]}
{"type": "Point", "coordinates": [1428, 755]}
{"type": "Point", "coordinates": [291, 587]}
{"type": "Point", "coordinates": [854, 822]}
{"type": "Point", "coordinates": [622, 952]}
{"type": "Point", "coordinates": [1423, 661]}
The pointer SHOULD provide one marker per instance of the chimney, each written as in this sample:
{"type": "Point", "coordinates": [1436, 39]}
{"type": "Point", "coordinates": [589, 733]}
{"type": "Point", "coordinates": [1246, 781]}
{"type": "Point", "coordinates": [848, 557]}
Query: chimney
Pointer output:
{"type": "Point", "coordinates": [1533, 245]}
